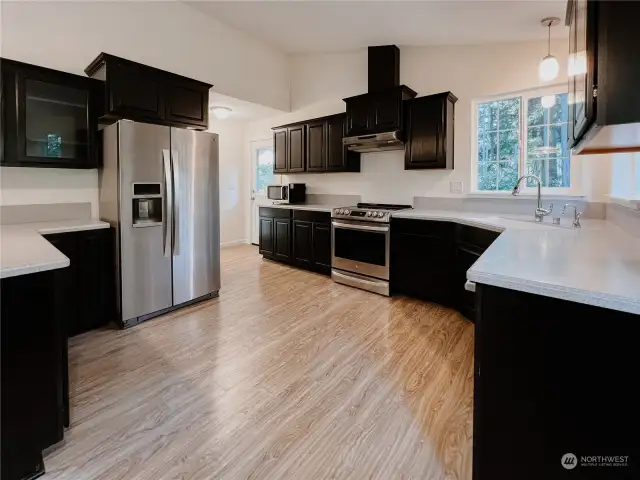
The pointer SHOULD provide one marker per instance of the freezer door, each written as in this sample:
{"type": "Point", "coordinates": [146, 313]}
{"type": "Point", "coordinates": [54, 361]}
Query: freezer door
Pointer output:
{"type": "Point", "coordinates": [145, 262]}
{"type": "Point", "coordinates": [196, 243]}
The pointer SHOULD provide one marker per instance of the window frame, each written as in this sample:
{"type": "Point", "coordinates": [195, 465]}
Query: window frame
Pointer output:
{"type": "Point", "coordinates": [524, 95]}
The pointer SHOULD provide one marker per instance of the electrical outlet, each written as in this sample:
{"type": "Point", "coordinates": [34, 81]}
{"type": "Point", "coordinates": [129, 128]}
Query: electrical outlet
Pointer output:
{"type": "Point", "coordinates": [456, 187]}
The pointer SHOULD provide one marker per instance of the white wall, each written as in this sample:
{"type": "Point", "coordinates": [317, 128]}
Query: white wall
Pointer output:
{"type": "Point", "coordinates": [26, 186]}
{"type": "Point", "coordinates": [169, 35]}
{"type": "Point", "coordinates": [319, 82]}
{"type": "Point", "coordinates": [233, 198]}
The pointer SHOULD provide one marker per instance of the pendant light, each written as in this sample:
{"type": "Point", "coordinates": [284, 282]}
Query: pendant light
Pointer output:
{"type": "Point", "coordinates": [549, 66]}
{"type": "Point", "coordinates": [548, 101]}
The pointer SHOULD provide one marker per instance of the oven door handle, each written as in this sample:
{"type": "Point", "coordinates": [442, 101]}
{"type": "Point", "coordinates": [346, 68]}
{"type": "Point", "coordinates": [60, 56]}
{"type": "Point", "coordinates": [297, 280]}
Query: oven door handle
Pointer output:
{"type": "Point", "coordinates": [368, 228]}
{"type": "Point", "coordinates": [358, 279]}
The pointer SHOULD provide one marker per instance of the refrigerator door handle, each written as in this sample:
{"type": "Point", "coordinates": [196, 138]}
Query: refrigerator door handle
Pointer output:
{"type": "Point", "coordinates": [168, 207]}
{"type": "Point", "coordinates": [175, 240]}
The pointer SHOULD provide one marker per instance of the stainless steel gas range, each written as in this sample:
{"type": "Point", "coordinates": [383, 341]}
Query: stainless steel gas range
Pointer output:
{"type": "Point", "coordinates": [360, 245]}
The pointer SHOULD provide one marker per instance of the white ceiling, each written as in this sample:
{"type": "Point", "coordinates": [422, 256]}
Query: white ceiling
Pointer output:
{"type": "Point", "coordinates": [334, 26]}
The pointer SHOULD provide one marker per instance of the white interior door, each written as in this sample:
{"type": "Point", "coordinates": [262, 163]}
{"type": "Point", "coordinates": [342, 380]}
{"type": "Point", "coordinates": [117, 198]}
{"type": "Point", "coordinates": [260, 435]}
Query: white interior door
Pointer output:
{"type": "Point", "coordinates": [261, 175]}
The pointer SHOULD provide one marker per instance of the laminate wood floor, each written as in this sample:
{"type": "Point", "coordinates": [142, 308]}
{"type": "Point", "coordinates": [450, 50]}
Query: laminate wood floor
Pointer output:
{"type": "Point", "coordinates": [286, 375]}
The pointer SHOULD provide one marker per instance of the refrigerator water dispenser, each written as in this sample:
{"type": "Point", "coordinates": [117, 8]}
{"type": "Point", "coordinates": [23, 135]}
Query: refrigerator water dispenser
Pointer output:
{"type": "Point", "coordinates": [147, 204]}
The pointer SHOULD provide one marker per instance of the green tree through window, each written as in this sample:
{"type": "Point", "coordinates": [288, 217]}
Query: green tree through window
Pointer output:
{"type": "Point", "coordinates": [499, 131]}
{"type": "Point", "coordinates": [264, 172]}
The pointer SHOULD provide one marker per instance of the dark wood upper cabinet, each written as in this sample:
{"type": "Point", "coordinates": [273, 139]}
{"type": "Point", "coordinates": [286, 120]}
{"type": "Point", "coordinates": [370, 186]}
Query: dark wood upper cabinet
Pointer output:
{"type": "Point", "coordinates": [604, 74]}
{"type": "Point", "coordinates": [335, 149]}
{"type": "Point", "coordinates": [143, 93]}
{"type": "Point", "coordinates": [49, 118]}
{"type": "Point", "coordinates": [387, 111]}
{"type": "Point", "coordinates": [297, 151]}
{"type": "Point", "coordinates": [359, 115]}
{"type": "Point", "coordinates": [339, 158]}
{"type": "Point", "coordinates": [133, 92]}
{"type": "Point", "coordinates": [317, 146]}
{"type": "Point", "coordinates": [187, 104]}
{"type": "Point", "coordinates": [429, 132]}
{"type": "Point", "coordinates": [314, 146]}
{"type": "Point", "coordinates": [377, 112]}
{"type": "Point", "coordinates": [280, 150]}
{"type": "Point", "coordinates": [581, 31]}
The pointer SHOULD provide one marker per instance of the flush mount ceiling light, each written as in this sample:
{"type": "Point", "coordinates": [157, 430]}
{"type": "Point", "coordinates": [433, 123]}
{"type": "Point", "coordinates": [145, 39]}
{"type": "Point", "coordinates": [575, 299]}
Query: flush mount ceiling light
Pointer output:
{"type": "Point", "coordinates": [549, 66]}
{"type": "Point", "coordinates": [220, 112]}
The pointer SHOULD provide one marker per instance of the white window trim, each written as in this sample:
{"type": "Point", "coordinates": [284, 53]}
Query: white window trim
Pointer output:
{"type": "Point", "coordinates": [524, 95]}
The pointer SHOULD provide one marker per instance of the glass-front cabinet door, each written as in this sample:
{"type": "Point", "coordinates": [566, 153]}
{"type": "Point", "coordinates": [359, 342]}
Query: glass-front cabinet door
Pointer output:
{"type": "Point", "coordinates": [54, 122]}
{"type": "Point", "coordinates": [581, 68]}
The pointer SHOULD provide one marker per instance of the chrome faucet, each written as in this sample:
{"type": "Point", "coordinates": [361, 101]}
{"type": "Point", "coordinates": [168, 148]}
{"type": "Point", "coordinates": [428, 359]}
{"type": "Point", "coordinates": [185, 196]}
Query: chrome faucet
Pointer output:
{"type": "Point", "coordinates": [540, 212]}
{"type": "Point", "coordinates": [576, 215]}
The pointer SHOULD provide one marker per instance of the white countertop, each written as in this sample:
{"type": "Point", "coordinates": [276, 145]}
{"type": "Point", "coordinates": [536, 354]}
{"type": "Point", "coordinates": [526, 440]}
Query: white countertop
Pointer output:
{"type": "Point", "coordinates": [24, 250]}
{"type": "Point", "coordinates": [598, 264]}
{"type": "Point", "coordinates": [303, 206]}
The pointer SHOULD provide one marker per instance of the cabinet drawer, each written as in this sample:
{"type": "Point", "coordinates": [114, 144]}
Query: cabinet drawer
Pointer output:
{"type": "Point", "coordinates": [275, 212]}
{"type": "Point", "coordinates": [430, 228]}
{"type": "Point", "coordinates": [476, 237]}
{"type": "Point", "coordinates": [311, 216]}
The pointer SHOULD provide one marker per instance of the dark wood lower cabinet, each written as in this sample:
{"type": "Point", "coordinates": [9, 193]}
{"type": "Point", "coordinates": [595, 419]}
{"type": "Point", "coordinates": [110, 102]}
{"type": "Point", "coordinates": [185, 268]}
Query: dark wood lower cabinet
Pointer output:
{"type": "Point", "coordinates": [296, 237]}
{"type": "Point", "coordinates": [89, 282]}
{"type": "Point", "coordinates": [265, 246]}
{"type": "Point", "coordinates": [553, 377]}
{"type": "Point", "coordinates": [464, 299]}
{"type": "Point", "coordinates": [33, 409]}
{"type": "Point", "coordinates": [322, 246]}
{"type": "Point", "coordinates": [430, 259]}
{"type": "Point", "coordinates": [282, 239]}
{"type": "Point", "coordinates": [302, 243]}
{"type": "Point", "coordinates": [421, 264]}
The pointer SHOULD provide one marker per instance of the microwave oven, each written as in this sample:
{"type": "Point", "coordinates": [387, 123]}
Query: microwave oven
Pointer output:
{"type": "Point", "coordinates": [291, 193]}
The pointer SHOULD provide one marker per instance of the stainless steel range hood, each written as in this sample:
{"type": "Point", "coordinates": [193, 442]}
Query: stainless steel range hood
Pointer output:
{"type": "Point", "coordinates": [378, 142]}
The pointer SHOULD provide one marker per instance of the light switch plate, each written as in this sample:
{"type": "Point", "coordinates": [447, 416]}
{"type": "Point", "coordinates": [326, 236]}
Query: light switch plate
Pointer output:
{"type": "Point", "coordinates": [456, 187]}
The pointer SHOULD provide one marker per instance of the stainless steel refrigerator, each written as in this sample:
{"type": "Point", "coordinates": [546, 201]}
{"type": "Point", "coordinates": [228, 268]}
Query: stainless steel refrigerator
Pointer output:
{"type": "Point", "coordinates": [159, 190]}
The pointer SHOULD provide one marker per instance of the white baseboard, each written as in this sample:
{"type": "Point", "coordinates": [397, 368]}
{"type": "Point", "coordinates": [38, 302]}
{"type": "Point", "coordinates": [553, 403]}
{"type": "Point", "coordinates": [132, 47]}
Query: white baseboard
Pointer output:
{"type": "Point", "coordinates": [233, 243]}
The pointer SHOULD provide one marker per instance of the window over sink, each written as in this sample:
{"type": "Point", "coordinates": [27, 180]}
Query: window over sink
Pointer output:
{"type": "Point", "coordinates": [519, 134]}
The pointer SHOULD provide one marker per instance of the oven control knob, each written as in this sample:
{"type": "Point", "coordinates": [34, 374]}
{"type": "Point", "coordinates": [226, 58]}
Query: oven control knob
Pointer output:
{"type": "Point", "coordinates": [340, 211]}
{"type": "Point", "coordinates": [380, 214]}
{"type": "Point", "coordinates": [368, 214]}
{"type": "Point", "coordinates": [347, 211]}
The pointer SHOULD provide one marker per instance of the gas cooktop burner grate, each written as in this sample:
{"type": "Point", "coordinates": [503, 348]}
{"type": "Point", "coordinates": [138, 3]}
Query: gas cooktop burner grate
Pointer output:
{"type": "Point", "coordinates": [384, 206]}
